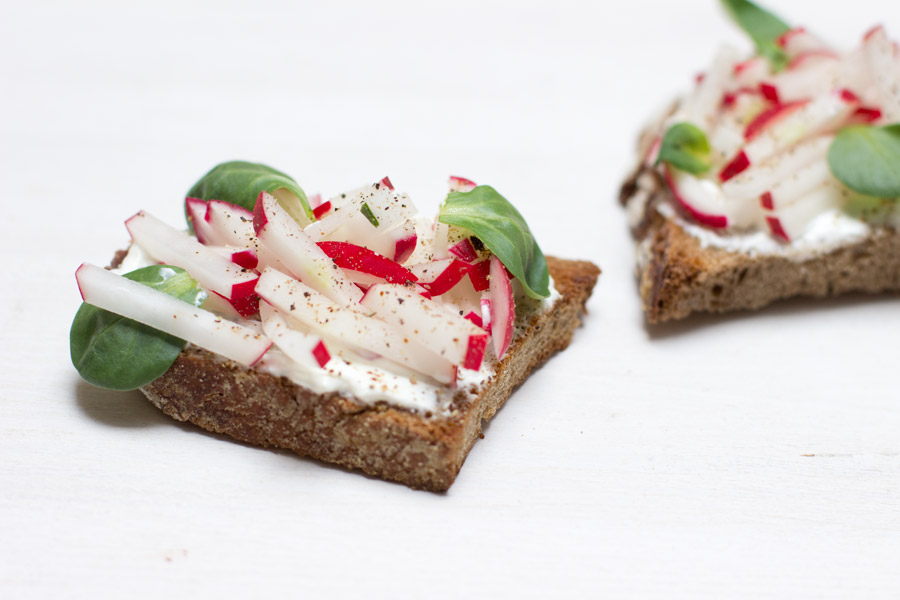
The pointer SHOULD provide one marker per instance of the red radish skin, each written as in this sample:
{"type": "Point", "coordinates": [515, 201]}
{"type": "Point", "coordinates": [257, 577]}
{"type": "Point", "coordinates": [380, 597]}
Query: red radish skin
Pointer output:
{"type": "Point", "coordinates": [464, 251]}
{"type": "Point", "coordinates": [259, 214]}
{"type": "Point", "coordinates": [785, 38]}
{"type": "Point", "coordinates": [804, 57]}
{"type": "Point", "coordinates": [865, 114]}
{"type": "Point", "coordinates": [356, 258]}
{"type": "Point", "coordinates": [404, 247]}
{"type": "Point", "coordinates": [737, 165]}
{"type": "Point", "coordinates": [322, 209]}
{"type": "Point", "coordinates": [770, 116]}
{"type": "Point", "coordinates": [387, 183]}
{"type": "Point", "coordinates": [461, 184]}
{"type": "Point", "coordinates": [870, 33]}
{"type": "Point", "coordinates": [475, 352]}
{"type": "Point", "coordinates": [777, 230]}
{"type": "Point", "coordinates": [769, 92]}
{"type": "Point", "coordinates": [765, 200]}
{"type": "Point", "coordinates": [476, 319]}
{"type": "Point", "coordinates": [503, 308]}
{"type": "Point", "coordinates": [479, 275]}
{"type": "Point", "coordinates": [320, 353]}
{"type": "Point", "coordinates": [196, 210]}
{"type": "Point", "coordinates": [718, 221]}
{"type": "Point", "coordinates": [245, 258]}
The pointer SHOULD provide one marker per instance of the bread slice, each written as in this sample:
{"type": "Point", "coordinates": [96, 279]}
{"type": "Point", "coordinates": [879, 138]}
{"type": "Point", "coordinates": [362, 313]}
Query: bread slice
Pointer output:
{"type": "Point", "coordinates": [678, 275]}
{"type": "Point", "coordinates": [420, 450]}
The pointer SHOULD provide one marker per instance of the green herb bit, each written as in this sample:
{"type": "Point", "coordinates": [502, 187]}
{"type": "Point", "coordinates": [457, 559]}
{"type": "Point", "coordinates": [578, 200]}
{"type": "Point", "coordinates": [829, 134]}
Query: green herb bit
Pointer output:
{"type": "Point", "coordinates": [503, 230]}
{"type": "Point", "coordinates": [763, 27]}
{"type": "Point", "coordinates": [685, 147]}
{"type": "Point", "coordinates": [368, 214]}
{"type": "Point", "coordinates": [866, 159]}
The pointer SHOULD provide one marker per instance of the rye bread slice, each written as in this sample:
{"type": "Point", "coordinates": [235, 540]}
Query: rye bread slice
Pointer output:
{"type": "Point", "coordinates": [679, 276]}
{"type": "Point", "coordinates": [419, 450]}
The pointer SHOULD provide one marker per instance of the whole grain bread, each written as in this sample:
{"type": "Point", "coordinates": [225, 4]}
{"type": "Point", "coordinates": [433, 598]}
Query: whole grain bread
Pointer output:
{"type": "Point", "coordinates": [679, 276]}
{"type": "Point", "coordinates": [420, 450]}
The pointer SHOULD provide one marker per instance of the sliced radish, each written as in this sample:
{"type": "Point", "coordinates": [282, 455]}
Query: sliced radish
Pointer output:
{"type": "Point", "coordinates": [816, 77]}
{"type": "Point", "coordinates": [446, 334]}
{"type": "Point", "coordinates": [486, 312]}
{"type": "Point", "coordinates": [156, 309]}
{"type": "Point", "coordinates": [503, 308]}
{"type": "Point", "coordinates": [232, 223]}
{"type": "Point", "coordinates": [196, 211]}
{"type": "Point", "coordinates": [301, 347]}
{"type": "Point", "coordinates": [405, 245]}
{"type": "Point", "coordinates": [333, 321]}
{"type": "Point", "coordinates": [802, 182]}
{"type": "Point", "coordinates": [805, 59]}
{"type": "Point", "coordinates": [280, 235]}
{"type": "Point", "coordinates": [701, 106]}
{"type": "Point", "coordinates": [821, 115]}
{"type": "Point", "coordinates": [735, 167]}
{"type": "Point", "coordinates": [750, 72]}
{"type": "Point", "coordinates": [356, 258]}
{"type": "Point", "coordinates": [884, 69]}
{"type": "Point", "coordinates": [322, 209]}
{"type": "Point", "coordinates": [439, 277]}
{"type": "Point", "coordinates": [475, 318]}
{"type": "Point", "coordinates": [701, 198]}
{"type": "Point", "coordinates": [461, 184]}
{"type": "Point", "coordinates": [242, 257]}
{"type": "Point", "coordinates": [755, 181]}
{"type": "Point", "coordinates": [212, 271]}
{"type": "Point", "coordinates": [798, 41]}
{"type": "Point", "coordinates": [769, 117]}
{"type": "Point", "coordinates": [464, 251]}
{"type": "Point", "coordinates": [769, 92]}
{"type": "Point", "coordinates": [791, 222]}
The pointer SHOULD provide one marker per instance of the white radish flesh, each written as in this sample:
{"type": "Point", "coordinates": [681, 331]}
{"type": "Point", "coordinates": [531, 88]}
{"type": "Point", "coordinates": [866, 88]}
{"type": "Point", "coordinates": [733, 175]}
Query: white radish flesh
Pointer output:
{"type": "Point", "coordinates": [202, 328]}
{"type": "Point", "coordinates": [212, 271]}
{"type": "Point", "coordinates": [444, 333]}
{"type": "Point", "coordinates": [332, 321]}
{"type": "Point", "coordinates": [759, 178]}
{"type": "Point", "coordinates": [503, 308]}
{"type": "Point", "coordinates": [301, 347]}
{"type": "Point", "coordinates": [799, 184]}
{"type": "Point", "coordinates": [233, 224]}
{"type": "Point", "coordinates": [283, 238]}
{"type": "Point", "coordinates": [884, 69]}
{"type": "Point", "coordinates": [791, 222]}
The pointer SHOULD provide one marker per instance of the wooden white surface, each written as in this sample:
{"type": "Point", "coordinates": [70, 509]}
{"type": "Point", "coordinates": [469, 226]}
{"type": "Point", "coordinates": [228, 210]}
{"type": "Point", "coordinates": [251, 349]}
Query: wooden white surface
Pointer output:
{"type": "Point", "coordinates": [750, 456]}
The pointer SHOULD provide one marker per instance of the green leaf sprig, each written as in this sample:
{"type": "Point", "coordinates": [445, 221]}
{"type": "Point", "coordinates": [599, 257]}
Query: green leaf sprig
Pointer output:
{"type": "Point", "coordinates": [502, 229]}
{"type": "Point", "coordinates": [240, 182]}
{"type": "Point", "coordinates": [685, 147]}
{"type": "Point", "coordinates": [117, 353]}
{"type": "Point", "coordinates": [763, 27]}
{"type": "Point", "coordinates": [866, 159]}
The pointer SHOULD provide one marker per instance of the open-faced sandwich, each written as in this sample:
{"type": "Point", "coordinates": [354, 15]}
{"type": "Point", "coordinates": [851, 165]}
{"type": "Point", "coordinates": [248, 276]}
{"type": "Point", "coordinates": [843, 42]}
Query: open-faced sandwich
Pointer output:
{"type": "Point", "coordinates": [777, 175]}
{"type": "Point", "coordinates": [350, 330]}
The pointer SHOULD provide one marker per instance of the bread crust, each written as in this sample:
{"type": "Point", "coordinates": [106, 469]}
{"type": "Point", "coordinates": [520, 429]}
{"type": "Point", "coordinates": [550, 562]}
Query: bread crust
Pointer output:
{"type": "Point", "coordinates": [678, 276]}
{"type": "Point", "coordinates": [422, 451]}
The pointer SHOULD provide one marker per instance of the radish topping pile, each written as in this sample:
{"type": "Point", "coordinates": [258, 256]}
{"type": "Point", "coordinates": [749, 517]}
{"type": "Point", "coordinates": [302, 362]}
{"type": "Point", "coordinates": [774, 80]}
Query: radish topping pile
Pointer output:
{"type": "Point", "coordinates": [345, 287]}
{"type": "Point", "coordinates": [746, 149]}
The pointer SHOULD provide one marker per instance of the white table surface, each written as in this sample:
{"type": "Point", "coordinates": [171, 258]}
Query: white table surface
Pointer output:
{"type": "Point", "coordinates": [751, 456]}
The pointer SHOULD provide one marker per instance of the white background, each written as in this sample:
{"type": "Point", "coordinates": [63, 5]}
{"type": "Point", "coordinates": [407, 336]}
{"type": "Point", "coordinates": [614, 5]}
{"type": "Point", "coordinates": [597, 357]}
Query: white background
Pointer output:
{"type": "Point", "coordinates": [751, 456]}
